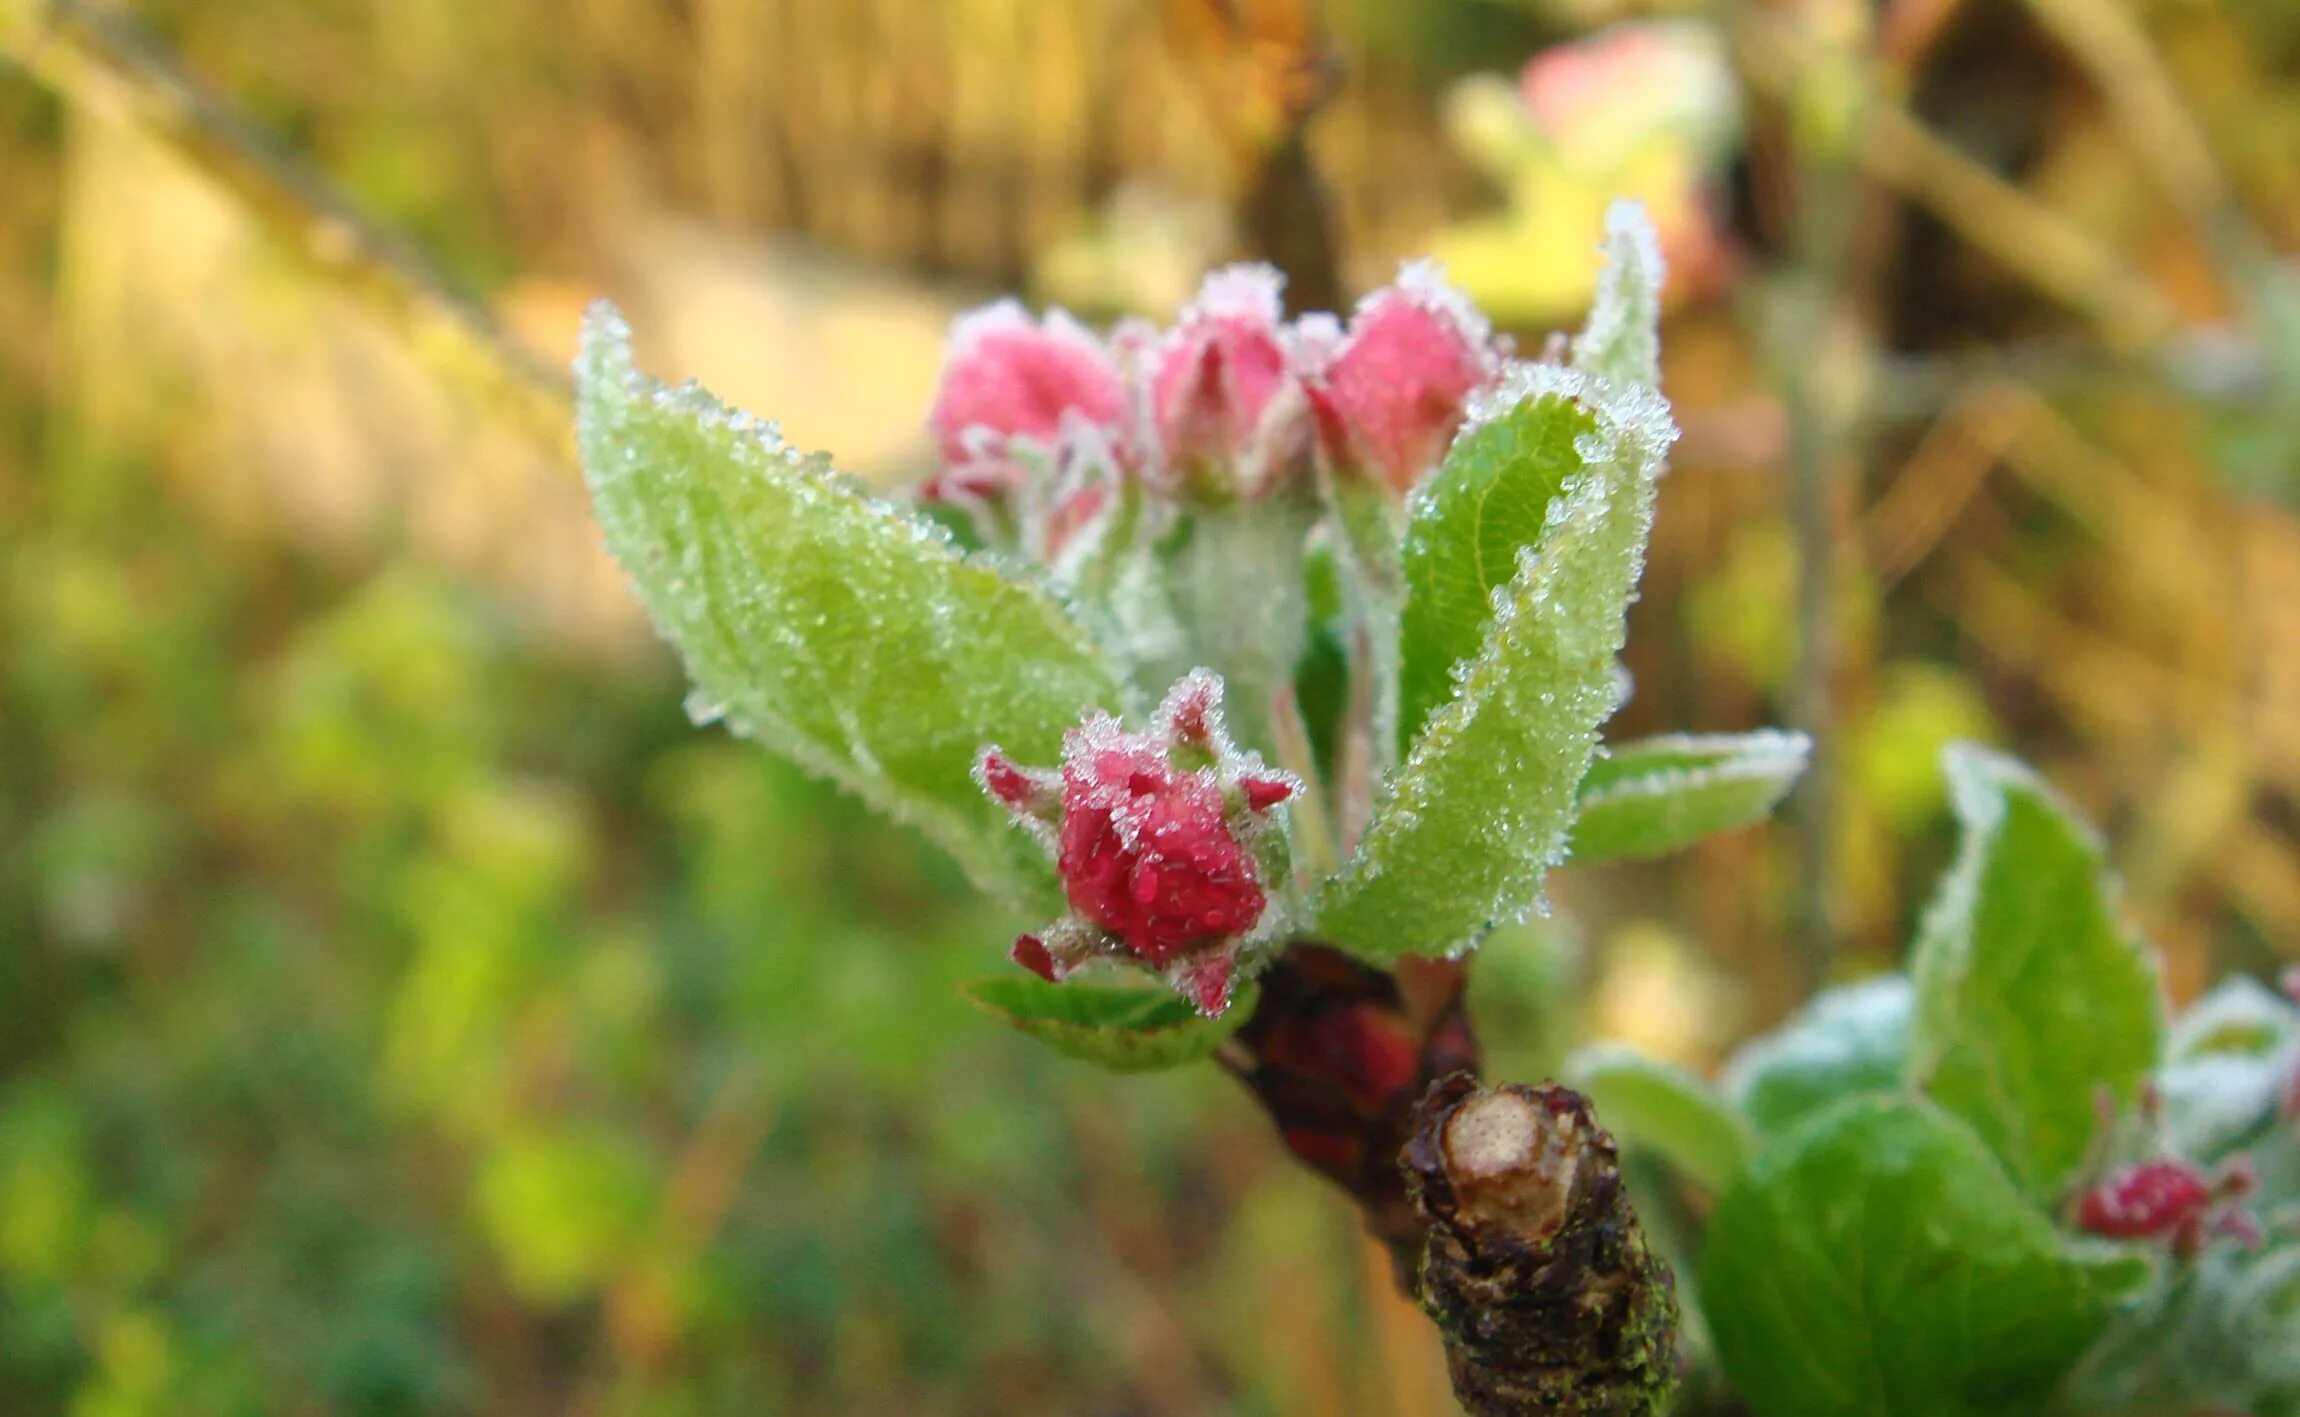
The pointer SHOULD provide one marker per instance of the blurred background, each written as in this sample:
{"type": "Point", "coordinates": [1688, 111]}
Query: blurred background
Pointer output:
{"type": "Point", "coordinates": [403, 1010]}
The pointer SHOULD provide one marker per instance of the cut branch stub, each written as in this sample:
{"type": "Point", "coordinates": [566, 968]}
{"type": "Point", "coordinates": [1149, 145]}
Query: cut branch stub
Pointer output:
{"type": "Point", "coordinates": [1536, 1270]}
{"type": "Point", "coordinates": [1338, 1053]}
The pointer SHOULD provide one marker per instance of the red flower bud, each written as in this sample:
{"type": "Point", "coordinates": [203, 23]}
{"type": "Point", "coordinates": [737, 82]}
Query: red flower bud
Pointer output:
{"type": "Point", "coordinates": [2171, 1202]}
{"type": "Point", "coordinates": [1159, 860]}
{"type": "Point", "coordinates": [1393, 394]}
{"type": "Point", "coordinates": [1147, 852]}
{"type": "Point", "coordinates": [2144, 1201]}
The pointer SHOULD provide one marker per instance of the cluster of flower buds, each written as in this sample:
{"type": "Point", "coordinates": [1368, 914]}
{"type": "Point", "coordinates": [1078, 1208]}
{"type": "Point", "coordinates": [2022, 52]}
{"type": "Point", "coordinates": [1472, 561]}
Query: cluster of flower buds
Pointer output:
{"type": "Point", "coordinates": [2171, 1202]}
{"type": "Point", "coordinates": [1038, 422]}
{"type": "Point", "coordinates": [1165, 841]}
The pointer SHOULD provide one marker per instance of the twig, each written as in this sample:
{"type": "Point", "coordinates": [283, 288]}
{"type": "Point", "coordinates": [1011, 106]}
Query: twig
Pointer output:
{"type": "Point", "coordinates": [2027, 237]}
{"type": "Point", "coordinates": [103, 65]}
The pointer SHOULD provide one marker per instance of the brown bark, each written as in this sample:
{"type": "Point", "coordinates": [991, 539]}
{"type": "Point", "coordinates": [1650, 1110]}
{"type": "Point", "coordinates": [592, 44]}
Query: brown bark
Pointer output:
{"type": "Point", "coordinates": [1537, 1271]}
{"type": "Point", "coordinates": [1502, 1209]}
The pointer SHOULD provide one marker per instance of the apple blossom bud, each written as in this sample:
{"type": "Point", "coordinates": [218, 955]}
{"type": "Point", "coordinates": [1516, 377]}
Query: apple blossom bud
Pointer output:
{"type": "Point", "coordinates": [1225, 398]}
{"type": "Point", "coordinates": [2169, 1201]}
{"type": "Point", "coordinates": [1161, 861]}
{"type": "Point", "coordinates": [1008, 376]}
{"type": "Point", "coordinates": [1391, 397]}
{"type": "Point", "coordinates": [1146, 852]}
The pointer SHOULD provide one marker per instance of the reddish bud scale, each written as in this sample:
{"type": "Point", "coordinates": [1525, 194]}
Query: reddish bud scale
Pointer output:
{"type": "Point", "coordinates": [2172, 1203]}
{"type": "Point", "coordinates": [1031, 953]}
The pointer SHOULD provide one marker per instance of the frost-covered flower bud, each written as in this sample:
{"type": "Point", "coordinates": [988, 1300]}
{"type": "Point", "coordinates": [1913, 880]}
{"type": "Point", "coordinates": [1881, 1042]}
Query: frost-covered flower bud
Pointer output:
{"type": "Point", "coordinates": [1020, 378]}
{"type": "Point", "coordinates": [2169, 1201]}
{"type": "Point", "coordinates": [1009, 380]}
{"type": "Point", "coordinates": [1160, 840]}
{"type": "Point", "coordinates": [1147, 851]}
{"type": "Point", "coordinates": [1392, 395]}
{"type": "Point", "coordinates": [1225, 398]}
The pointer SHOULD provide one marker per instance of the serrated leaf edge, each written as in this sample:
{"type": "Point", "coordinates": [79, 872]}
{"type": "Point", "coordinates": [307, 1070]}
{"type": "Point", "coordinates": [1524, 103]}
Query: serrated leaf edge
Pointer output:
{"type": "Point", "coordinates": [605, 359]}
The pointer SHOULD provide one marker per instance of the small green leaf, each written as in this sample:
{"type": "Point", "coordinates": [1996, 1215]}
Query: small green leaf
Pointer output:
{"type": "Point", "coordinates": [1659, 1107]}
{"type": "Point", "coordinates": [1487, 502]}
{"type": "Point", "coordinates": [1658, 795]}
{"type": "Point", "coordinates": [2031, 998]}
{"type": "Point", "coordinates": [1622, 342]}
{"type": "Point", "coordinates": [1474, 818]}
{"type": "Point", "coordinates": [1123, 1028]}
{"type": "Point", "coordinates": [1878, 1262]}
{"type": "Point", "coordinates": [845, 633]}
{"type": "Point", "coordinates": [1846, 1042]}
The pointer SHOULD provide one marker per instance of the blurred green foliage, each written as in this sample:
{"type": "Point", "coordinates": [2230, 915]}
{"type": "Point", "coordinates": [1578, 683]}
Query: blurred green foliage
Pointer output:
{"type": "Point", "coordinates": [397, 1019]}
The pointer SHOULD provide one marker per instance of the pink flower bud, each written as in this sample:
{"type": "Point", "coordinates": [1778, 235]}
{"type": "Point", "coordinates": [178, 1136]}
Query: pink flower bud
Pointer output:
{"type": "Point", "coordinates": [1224, 396]}
{"type": "Point", "coordinates": [1010, 377]}
{"type": "Point", "coordinates": [1393, 395]}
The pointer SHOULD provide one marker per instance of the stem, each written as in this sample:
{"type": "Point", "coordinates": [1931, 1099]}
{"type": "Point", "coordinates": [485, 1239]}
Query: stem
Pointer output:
{"type": "Point", "coordinates": [1537, 1271]}
{"type": "Point", "coordinates": [1502, 1211]}
{"type": "Point", "coordinates": [1338, 1053]}
{"type": "Point", "coordinates": [1316, 851]}
{"type": "Point", "coordinates": [104, 65]}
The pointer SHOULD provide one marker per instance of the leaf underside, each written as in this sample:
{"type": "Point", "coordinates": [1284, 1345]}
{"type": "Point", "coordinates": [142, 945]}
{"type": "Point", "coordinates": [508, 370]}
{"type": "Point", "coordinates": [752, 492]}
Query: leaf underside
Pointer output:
{"type": "Point", "coordinates": [847, 634]}
{"type": "Point", "coordinates": [1124, 1029]}
{"type": "Point", "coordinates": [1659, 795]}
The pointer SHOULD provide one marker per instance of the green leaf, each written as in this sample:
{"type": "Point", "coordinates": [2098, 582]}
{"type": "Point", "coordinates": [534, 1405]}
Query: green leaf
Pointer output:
{"type": "Point", "coordinates": [1658, 795]}
{"type": "Point", "coordinates": [1846, 1042]}
{"type": "Point", "coordinates": [2031, 998]}
{"type": "Point", "coordinates": [845, 633]}
{"type": "Point", "coordinates": [1878, 1262]}
{"type": "Point", "coordinates": [1622, 342]}
{"type": "Point", "coordinates": [1472, 820]}
{"type": "Point", "coordinates": [1659, 1107]}
{"type": "Point", "coordinates": [1488, 501]}
{"type": "Point", "coordinates": [1122, 1028]}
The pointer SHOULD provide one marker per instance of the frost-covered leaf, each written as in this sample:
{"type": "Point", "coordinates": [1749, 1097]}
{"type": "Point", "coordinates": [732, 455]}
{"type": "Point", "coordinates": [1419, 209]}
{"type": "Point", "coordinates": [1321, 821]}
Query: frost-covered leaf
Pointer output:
{"type": "Point", "coordinates": [1622, 341]}
{"type": "Point", "coordinates": [1659, 795]}
{"type": "Point", "coordinates": [2219, 1334]}
{"type": "Point", "coordinates": [1473, 819]}
{"type": "Point", "coordinates": [2031, 998]}
{"type": "Point", "coordinates": [1123, 1028]}
{"type": "Point", "coordinates": [2241, 1016]}
{"type": "Point", "coordinates": [1846, 1042]}
{"type": "Point", "coordinates": [2234, 1062]}
{"type": "Point", "coordinates": [1659, 1107]}
{"type": "Point", "coordinates": [843, 632]}
{"type": "Point", "coordinates": [1877, 1262]}
{"type": "Point", "coordinates": [1469, 521]}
